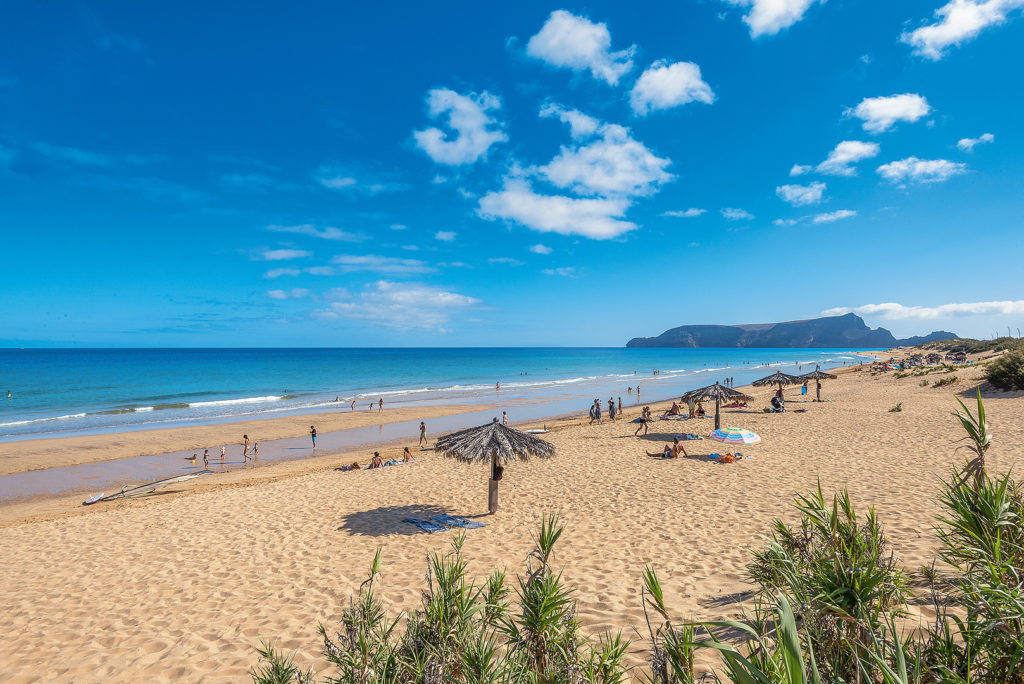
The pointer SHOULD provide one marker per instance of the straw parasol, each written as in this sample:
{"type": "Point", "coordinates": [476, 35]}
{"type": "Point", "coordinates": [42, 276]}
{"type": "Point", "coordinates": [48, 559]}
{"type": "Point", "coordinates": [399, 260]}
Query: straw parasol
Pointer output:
{"type": "Point", "coordinates": [494, 443]}
{"type": "Point", "coordinates": [719, 394]}
{"type": "Point", "coordinates": [778, 378]}
{"type": "Point", "coordinates": [818, 375]}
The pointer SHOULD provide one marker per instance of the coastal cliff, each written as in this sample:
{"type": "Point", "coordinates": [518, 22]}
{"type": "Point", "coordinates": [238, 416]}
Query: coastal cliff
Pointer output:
{"type": "Point", "coordinates": [848, 330]}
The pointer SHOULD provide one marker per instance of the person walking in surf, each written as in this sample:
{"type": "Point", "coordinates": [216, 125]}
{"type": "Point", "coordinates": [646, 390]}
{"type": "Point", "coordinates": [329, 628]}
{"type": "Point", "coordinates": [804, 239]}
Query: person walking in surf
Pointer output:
{"type": "Point", "coordinates": [423, 433]}
{"type": "Point", "coordinates": [245, 448]}
{"type": "Point", "coordinates": [312, 434]}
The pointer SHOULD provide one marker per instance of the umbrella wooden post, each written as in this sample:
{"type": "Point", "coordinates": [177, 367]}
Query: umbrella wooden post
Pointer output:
{"type": "Point", "coordinates": [718, 420]}
{"type": "Point", "coordinates": [818, 388]}
{"type": "Point", "coordinates": [492, 487]}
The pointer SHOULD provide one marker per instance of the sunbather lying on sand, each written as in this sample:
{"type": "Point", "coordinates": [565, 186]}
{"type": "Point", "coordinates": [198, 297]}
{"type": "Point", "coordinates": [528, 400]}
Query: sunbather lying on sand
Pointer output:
{"type": "Point", "coordinates": [671, 451]}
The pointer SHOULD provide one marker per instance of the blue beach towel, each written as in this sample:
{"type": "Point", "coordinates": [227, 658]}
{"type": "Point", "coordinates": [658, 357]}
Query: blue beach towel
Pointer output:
{"type": "Point", "coordinates": [426, 525]}
{"type": "Point", "coordinates": [456, 521]}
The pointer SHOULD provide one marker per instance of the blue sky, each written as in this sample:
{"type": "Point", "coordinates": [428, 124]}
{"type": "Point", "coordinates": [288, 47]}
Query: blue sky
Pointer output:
{"type": "Point", "coordinates": [334, 174]}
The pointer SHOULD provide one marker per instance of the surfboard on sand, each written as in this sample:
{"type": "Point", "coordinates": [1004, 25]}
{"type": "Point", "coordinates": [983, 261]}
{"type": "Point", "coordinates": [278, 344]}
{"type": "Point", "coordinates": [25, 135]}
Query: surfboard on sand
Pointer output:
{"type": "Point", "coordinates": [537, 431]}
{"type": "Point", "coordinates": [143, 489]}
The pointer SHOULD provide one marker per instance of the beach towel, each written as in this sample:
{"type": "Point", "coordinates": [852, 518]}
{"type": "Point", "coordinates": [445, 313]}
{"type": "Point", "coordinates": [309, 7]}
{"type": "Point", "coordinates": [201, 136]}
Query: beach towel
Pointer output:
{"type": "Point", "coordinates": [426, 525]}
{"type": "Point", "coordinates": [456, 521]}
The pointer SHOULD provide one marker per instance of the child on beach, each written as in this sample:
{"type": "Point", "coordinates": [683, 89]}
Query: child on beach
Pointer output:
{"type": "Point", "coordinates": [504, 418]}
{"type": "Point", "coordinates": [312, 433]}
{"type": "Point", "coordinates": [223, 452]}
{"type": "Point", "coordinates": [255, 449]}
{"type": "Point", "coordinates": [423, 433]}
{"type": "Point", "coordinates": [206, 458]}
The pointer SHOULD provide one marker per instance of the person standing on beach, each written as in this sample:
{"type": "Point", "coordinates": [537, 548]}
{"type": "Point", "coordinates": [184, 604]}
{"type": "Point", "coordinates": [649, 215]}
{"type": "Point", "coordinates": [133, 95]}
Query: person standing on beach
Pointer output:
{"type": "Point", "coordinates": [380, 404]}
{"type": "Point", "coordinates": [597, 410]}
{"type": "Point", "coordinates": [312, 434]}
{"type": "Point", "coordinates": [353, 406]}
{"type": "Point", "coordinates": [629, 390]}
{"type": "Point", "coordinates": [638, 394]}
{"type": "Point", "coordinates": [423, 433]}
{"type": "Point", "coordinates": [255, 449]}
{"type": "Point", "coordinates": [611, 409]}
{"type": "Point", "coordinates": [504, 418]}
{"type": "Point", "coordinates": [223, 452]}
{"type": "Point", "coordinates": [245, 449]}
{"type": "Point", "coordinates": [620, 405]}
{"type": "Point", "coordinates": [497, 386]}
{"type": "Point", "coordinates": [592, 414]}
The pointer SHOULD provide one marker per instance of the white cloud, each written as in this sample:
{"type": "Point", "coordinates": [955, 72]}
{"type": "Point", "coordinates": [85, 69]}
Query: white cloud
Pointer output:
{"type": "Point", "coordinates": [73, 154]}
{"type": "Point", "coordinates": [336, 182]}
{"type": "Point", "coordinates": [319, 270]}
{"type": "Point", "coordinates": [278, 272]}
{"type": "Point", "coordinates": [968, 144]}
{"type": "Point", "coordinates": [398, 305]}
{"type": "Point", "coordinates": [768, 17]}
{"type": "Point", "coordinates": [572, 42]}
{"type": "Point", "coordinates": [840, 160]}
{"type": "Point", "coordinates": [917, 170]}
{"type": "Point", "coordinates": [348, 263]}
{"type": "Point", "coordinates": [611, 164]}
{"type": "Point", "coordinates": [580, 125]}
{"type": "Point", "coordinates": [598, 218]}
{"type": "Point", "coordinates": [799, 170]}
{"type": "Point", "coordinates": [295, 293]}
{"type": "Point", "coordinates": [564, 271]}
{"type": "Point", "coordinates": [508, 261]}
{"type": "Point", "coordinates": [445, 236]}
{"type": "Point", "coordinates": [398, 226]}
{"type": "Point", "coordinates": [879, 114]}
{"type": "Point", "coordinates": [692, 212]}
{"type": "Point", "coordinates": [665, 85]}
{"type": "Point", "coordinates": [801, 195]}
{"type": "Point", "coordinates": [834, 216]}
{"type": "Point", "coordinates": [467, 116]}
{"type": "Point", "coordinates": [958, 21]}
{"type": "Point", "coordinates": [328, 233]}
{"type": "Point", "coordinates": [541, 249]}
{"type": "Point", "coordinates": [283, 254]}
{"type": "Point", "coordinates": [734, 214]}
{"type": "Point", "coordinates": [894, 311]}
{"type": "Point", "coordinates": [785, 222]}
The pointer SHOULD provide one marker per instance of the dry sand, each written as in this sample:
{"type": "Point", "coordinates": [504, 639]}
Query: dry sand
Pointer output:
{"type": "Point", "coordinates": [183, 587]}
{"type": "Point", "coordinates": [39, 454]}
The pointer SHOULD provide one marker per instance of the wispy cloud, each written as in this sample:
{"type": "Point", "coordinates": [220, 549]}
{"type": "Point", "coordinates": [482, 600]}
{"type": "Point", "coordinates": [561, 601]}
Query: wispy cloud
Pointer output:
{"type": "Point", "coordinates": [278, 272]}
{"type": "Point", "coordinates": [580, 125]}
{"type": "Point", "coordinates": [294, 293]}
{"type": "Point", "coordinates": [916, 170]}
{"type": "Point", "coordinates": [541, 249]}
{"type": "Point", "coordinates": [284, 254]}
{"type": "Point", "coordinates": [398, 305]}
{"type": "Point", "coordinates": [564, 271]}
{"type": "Point", "coordinates": [574, 42]}
{"type": "Point", "coordinates": [692, 212]}
{"type": "Point", "coordinates": [957, 22]}
{"type": "Point", "coordinates": [736, 214]}
{"type": "Point", "coordinates": [831, 216]}
{"type": "Point", "coordinates": [895, 311]}
{"type": "Point", "coordinates": [507, 261]}
{"type": "Point", "coordinates": [879, 114]}
{"type": "Point", "coordinates": [968, 144]}
{"type": "Point", "coordinates": [348, 263]}
{"type": "Point", "coordinates": [475, 130]}
{"type": "Point", "coordinates": [334, 177]}
{"type": "Point", "coordinates": [768, 17]}
{"type": "Point", "coordinates": [328, 233]}
{"type": "Point", "coordinates": [445, 236]}
{"type": "Point", "coordinates": [73, 154]}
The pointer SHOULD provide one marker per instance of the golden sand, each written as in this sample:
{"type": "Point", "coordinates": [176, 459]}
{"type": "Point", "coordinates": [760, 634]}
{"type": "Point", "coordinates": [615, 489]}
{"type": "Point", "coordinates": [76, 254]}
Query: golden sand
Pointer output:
{"type": "Point", "coordinates": [182, 587]}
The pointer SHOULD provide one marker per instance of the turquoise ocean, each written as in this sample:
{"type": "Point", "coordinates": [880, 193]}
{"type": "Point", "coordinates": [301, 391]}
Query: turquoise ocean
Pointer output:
{"type": "Point", "coordinates": [64, 392]}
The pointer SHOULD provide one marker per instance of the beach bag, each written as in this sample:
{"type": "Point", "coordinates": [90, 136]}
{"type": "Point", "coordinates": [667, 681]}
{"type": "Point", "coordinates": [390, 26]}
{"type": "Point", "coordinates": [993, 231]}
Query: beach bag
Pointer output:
{"type": "Point", "coordinates": [728, 458]}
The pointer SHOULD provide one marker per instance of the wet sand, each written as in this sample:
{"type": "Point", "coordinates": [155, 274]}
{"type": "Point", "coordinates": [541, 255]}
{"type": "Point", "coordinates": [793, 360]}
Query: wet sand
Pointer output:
{"type": "Point", "coordinates": [38, 454]}
{"type": "Point", "coordinates": [183, 586]}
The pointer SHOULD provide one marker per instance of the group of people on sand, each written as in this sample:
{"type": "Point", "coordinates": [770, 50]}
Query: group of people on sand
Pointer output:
{"type": "Point", "coordinates": [378, 461]}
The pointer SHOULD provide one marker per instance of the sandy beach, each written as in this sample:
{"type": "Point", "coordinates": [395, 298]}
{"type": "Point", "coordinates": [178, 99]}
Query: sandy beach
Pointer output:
{"type": "Point", "coordinates": [183, 586]}
{"type": "Point", "coordinates": [38, 454]}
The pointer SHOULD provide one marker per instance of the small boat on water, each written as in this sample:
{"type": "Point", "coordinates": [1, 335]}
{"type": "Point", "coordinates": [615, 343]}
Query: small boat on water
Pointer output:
{"type": "Point", "coordinates": [143, 489]}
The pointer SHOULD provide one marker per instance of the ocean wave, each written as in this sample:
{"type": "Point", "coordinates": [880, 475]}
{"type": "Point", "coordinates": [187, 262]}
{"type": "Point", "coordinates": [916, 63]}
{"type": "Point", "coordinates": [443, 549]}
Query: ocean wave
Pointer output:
{"type": "Point", "coordinates": [228, 402]}
{"type": "Point", "coordinates": [43, 420]}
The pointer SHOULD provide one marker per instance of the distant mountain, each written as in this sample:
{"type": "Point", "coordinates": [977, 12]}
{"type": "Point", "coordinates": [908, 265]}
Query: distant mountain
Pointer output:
{"type": "Point", "coordinates": [848, 330]}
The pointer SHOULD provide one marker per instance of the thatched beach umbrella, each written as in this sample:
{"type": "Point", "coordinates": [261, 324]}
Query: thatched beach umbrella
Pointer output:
{"type": "Point", "coordinates": [494, 443]}
{"type": "Point", "coordinates": [818, 375]}
{"type": "Point", "coordinates": [719, 394]}
{"type": "Point", "coordinates": [778, 378]}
